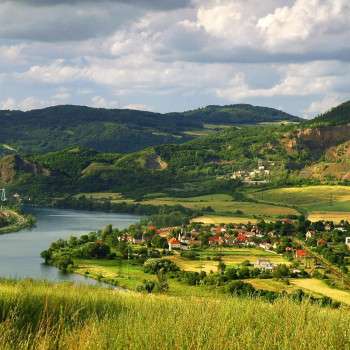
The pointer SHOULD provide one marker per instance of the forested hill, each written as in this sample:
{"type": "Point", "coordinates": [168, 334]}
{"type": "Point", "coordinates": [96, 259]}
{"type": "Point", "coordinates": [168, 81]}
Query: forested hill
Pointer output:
{"type": "Point", "coordinates": [118, 130]}
{"type": "Point", "coordinates": [336, 116]}
{"type": "Point", "coordinates": [239, 114]}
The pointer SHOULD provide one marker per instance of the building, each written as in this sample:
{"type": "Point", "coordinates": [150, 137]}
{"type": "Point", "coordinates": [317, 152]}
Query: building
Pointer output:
{"type": "Point", "coordinates": [301, 253]}
{"type": "Point", "coordinates": [174, 244]}
{"type": "Point", "coordinates": [264, 264]}
{"type": "Point", "coordinates": [347, 242]}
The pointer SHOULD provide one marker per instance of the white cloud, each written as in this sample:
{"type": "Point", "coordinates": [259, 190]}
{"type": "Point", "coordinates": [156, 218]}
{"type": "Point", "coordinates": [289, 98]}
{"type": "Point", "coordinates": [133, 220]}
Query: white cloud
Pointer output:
{"type": "Point", "coordinates": [26, 104]}
{"type": "Point", "coordinates": [323, 105]}
{"type": "Point", "coordinates": [101, 102]}
{"type": "Point", "coordinates": [306, 20]}
{"type": "Point", "coordinates": [138, 107]}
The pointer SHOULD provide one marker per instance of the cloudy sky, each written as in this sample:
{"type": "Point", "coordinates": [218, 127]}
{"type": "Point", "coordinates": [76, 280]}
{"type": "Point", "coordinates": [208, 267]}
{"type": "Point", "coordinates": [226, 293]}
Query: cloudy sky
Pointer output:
{"type": "Point", "coordinates": [174, 55]}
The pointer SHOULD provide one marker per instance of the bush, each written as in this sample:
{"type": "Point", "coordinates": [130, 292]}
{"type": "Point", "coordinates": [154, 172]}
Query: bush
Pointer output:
{"type": "Point", "coordinates": [155, 265]}
{"type": "Point", "coordinates": [240, 288]}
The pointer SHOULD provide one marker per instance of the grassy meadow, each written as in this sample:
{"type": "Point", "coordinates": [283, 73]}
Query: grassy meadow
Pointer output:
{"type": "Point", "coordinates": [220, 219]}
{"type": "Point", "coordinates": [230, 256]}
{"type": "Point", "coordinates": [37, 315]}
{"type": "Point", "coordinates": [224, 204]}
{"type": "Point", "coordinates": [321, 202]}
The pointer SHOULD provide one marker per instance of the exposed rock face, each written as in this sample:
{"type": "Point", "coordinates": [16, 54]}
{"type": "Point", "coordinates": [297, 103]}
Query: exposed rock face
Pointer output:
{"type": "Point", "coordinates": [316, 140]}
{"type": "Point", "coordinates": [12, 165]}
{"type": "Point", "coordinates": [154, 162]}
{"type": "Point", "coordinates": [325, 137]}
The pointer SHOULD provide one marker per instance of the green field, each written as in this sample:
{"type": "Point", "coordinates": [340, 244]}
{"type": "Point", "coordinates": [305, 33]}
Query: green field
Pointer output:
{"type": "Point", "coordinates": [114, 197]}
{"type": "Point", "coordinates": [219, 219]}
{"type": "Point", "coordinates": [230, 256]}
{"type": "Point", "coordinates": [37, 315]}
{"type": "Point", "coordinates": [129, 276]}
{"type": "Point", "coordinates": [320, 198]}
{"type": "Point", "coordinates": [224, 204]}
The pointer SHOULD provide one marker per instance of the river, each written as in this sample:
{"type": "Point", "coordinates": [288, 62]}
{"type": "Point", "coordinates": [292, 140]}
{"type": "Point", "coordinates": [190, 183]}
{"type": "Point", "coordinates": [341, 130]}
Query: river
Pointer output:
{"type": "Point", "coordinates": [20, 252]}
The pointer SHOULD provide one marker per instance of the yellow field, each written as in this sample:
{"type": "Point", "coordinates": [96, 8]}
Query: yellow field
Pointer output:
{"type": "Point", "coordinates": [230, 256]}
{"type": "Point", "coordinates": [223, 203]}
{"type": "Point", "coordinates": [217, 219]}
{"type": "Point", "coordinates": [114, 197]}
{"type": "Point", "coordinates": [312, 198]}
{"type": "Point", "coordinates": [319, 287]}
{"type": "Point", "coordinates": [335, 216]}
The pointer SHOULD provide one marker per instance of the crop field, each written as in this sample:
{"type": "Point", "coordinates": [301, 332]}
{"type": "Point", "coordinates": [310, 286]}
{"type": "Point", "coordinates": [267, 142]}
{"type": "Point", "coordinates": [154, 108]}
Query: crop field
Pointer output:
{"type": "Point", "coordinates": [320, 287]}
{"type": "Point", "coordinates": [224, 204]}
{"type": "Point", "coordinates": [230, 256]}
{"type": "Point", "coordinates": [335, 216]}
{"type": "Point", "coordinates": [114, 197]}
{"type": "Point", "coordinates": [310, 198]}
{"type": "Point", "coordinates": [218, 219]}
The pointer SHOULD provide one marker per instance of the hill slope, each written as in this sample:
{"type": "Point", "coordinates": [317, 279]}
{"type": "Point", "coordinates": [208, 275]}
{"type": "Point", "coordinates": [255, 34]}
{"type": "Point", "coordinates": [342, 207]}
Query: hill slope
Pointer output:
{"type": "Point", "coordinates": [38, 315]}
{"type": "Point", "coordinates": [54, 128]}
{"type": "Point", "coordinates": [286, 153]}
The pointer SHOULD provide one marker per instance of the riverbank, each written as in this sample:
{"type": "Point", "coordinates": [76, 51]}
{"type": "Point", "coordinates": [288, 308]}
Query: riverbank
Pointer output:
{"type": "Point", "coordinates": [20, 221]}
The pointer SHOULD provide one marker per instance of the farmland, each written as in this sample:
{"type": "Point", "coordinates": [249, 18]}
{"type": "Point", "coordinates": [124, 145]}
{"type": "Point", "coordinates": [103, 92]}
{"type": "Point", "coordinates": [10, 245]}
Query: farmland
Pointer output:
{"type": "Point", "coordinates": [224, 204]}
{"type": "Point", "coordinates": [320, 202]}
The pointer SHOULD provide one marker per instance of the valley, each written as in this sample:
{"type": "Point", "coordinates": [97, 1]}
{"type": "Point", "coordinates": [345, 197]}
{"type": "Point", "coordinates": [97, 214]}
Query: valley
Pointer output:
{"type": "Point", "coordinates": [225, 212]}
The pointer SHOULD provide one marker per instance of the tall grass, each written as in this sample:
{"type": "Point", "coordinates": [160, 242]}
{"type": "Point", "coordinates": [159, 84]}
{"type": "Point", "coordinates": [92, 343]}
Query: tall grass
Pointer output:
{"type": "Point", "coordinates": [37, 315]}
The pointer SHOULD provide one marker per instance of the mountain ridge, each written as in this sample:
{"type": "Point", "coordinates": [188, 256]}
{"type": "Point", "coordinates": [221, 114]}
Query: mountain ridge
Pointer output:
{"type": "Point", "coordinates": [118, 130]}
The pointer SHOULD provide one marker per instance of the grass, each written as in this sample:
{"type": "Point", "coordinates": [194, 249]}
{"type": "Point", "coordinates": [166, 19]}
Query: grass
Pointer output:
{"type": "Point", "coordinates": [130, 276]}
{"type": "Point", "coordinates": [224, 204]}
{"type": "Point", "coordinates": [329, 215]}
{"type": "Point", "coordinates": [310, 198]}
{"type": "Point", "coordinates": [320, 287]}
{"type": "Point", "coordinates": [230, 256]}
{"type": "Point", "coordinates": [42, 316]}
{"type": "Point", "coordinates": [219, 219]}
{"type": "Point", "coordinates": [114, 197]}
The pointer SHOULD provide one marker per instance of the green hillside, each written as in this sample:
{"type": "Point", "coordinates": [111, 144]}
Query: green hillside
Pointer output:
{"type": "Point", "coordinates": [215, 163]}
{"type": "Point", "coordinates": [38, 315]}
{"type": "Point", "coordinates": [336, 116]}
{"type": "Point", "coordinates": [117, 130]}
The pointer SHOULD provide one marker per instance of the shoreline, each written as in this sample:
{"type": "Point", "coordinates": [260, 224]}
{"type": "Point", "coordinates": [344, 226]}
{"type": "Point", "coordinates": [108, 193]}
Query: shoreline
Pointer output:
{"type": "Point", "coordinates": [22, 221]}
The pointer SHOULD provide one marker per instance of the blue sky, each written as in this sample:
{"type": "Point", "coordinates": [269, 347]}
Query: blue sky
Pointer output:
{"type": "Point", "coordinates": [175, 55]}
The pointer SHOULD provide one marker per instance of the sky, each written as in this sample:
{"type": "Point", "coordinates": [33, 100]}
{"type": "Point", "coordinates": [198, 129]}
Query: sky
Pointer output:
{"type": "Point", "coordinates": [175, 55]}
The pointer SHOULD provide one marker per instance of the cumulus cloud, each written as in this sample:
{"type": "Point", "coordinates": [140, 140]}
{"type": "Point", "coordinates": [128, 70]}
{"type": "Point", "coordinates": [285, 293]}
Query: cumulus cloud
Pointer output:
{"type": "Point", "coordinates": [101, 102]}
{"type": "Point", "coordinates": [323, 105]}
{"type": "Point", "coordinates": [176, 54]}
{"type": "Point", "coordinates": [26, 104]}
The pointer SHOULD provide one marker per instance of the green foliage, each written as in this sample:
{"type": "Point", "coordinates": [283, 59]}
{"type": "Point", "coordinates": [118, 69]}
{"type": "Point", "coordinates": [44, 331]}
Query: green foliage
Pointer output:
{"type": "Point", "coordinates": [156, 265]}
{"type": "Point", "coordinates": [54, 128]}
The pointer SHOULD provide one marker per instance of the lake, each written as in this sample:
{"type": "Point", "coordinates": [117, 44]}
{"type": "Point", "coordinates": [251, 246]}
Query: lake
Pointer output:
{"type": "Point", "coordinates": [20, 252]}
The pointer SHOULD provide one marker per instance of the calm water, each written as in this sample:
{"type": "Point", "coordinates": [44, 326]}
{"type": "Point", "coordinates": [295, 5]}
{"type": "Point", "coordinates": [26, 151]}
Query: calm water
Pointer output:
{"type": "Point", "coordinates": [20, 252]}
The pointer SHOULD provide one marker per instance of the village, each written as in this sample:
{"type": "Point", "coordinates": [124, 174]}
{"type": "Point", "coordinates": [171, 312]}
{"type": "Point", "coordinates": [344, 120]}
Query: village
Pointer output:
{"type": "Point", "coordinates": [299, 246]}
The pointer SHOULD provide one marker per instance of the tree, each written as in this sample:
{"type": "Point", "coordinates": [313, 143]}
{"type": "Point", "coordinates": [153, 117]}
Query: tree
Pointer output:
{"type": "Point", "coordinates": [221, 267]}
{"type": "Point", "coordinates": [162, 281]}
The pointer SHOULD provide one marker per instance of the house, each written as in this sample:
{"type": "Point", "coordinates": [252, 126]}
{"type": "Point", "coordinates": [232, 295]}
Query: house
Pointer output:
{"type": "Point", "coordinates": [265, 245]}
{"type": "Point", "coordinates": [264, 264]}
{"type": "Point", "coordinates": [215, 241]}
{"type": "Point", "coordinates": [309, 234]}
{"type": "Point", "coordinates": [174, 244]}
{"type": "Point", "coordinates": [301, 253]}
{"type": "Point", "coordinates": [321, 242]}
{"type": "Point", "coordinates": [347, 242]}
{"type": "Point", "coordinates": [241, 238]}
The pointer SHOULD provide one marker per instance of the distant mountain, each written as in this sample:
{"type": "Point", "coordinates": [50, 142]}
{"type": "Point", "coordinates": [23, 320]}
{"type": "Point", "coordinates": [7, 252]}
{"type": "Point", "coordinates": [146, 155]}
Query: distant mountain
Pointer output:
{"type": "Point", "coordinates": [286, 153]}
{"type": "Point", "coordinates": [118, 130]}
{"type": "Point", "coordinates": [240, 114]}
